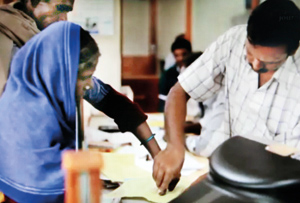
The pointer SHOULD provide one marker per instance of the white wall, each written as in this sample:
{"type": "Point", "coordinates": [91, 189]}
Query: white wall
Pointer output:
{"type": "Point", "coordinates": [109, 66]}
{"type": "Point", "coordinates": [136, 27]}
{"type": "Point", "coordinates": [212, 18]}
{"type": "Point", "coordinates": [297, 2]}
{"type": "Point", "coordinates": [170, 23]}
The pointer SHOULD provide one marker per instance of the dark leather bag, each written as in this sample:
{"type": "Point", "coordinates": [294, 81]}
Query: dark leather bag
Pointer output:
{"type": "Point", "coordinates": [245, 163]}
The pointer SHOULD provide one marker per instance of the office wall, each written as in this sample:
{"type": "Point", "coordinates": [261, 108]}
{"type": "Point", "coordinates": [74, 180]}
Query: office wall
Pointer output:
{"type": "Point", "coordinates": [297, 2]}
{"type": "Point", "coordinates": [211, 18]}
{"type": "Point", "coordinates": [109, 66]}
{"type": "Point", "coordinates": [170, 22]}
{"type": "Point", "coordinates": [136, 27]}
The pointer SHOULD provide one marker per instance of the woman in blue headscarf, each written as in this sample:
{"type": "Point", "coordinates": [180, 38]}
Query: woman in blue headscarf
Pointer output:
{"type": "Point", "coordinates": [38, 111]}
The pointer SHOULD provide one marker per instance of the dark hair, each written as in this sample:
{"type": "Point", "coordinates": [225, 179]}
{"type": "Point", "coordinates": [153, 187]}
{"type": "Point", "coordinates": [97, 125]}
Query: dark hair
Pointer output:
{"type": "Point", "coordinates": [275, 23]}
{"type": "Point", "coordinates": [88, 46]}
{"type": "Point", "coordinates": [181, 43]}
{"type": "Point", "coordinates": [182, 35]}
{"type": "Point", "coordinates": [191, 58]}
{"type": "Point", "coordinates": [34, 3]}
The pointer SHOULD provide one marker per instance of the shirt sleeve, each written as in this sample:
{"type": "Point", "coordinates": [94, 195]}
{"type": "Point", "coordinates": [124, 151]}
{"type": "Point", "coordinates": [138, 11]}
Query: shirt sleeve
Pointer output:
{"type": "Point", "coordinates": [126, 114]}
{"type": "Point", "coordinates": [204, 77]}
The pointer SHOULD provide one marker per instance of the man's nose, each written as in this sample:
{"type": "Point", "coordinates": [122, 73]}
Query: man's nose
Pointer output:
{"type": "Point", "coordinates": [257, 64]}
{"type": "Point", "coordinates": [62, 17]}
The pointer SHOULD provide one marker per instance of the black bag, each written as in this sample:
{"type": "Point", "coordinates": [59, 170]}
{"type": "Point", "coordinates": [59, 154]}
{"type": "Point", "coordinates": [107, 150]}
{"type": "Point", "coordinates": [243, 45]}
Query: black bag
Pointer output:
{"type": "Point", "coordinates": [245, 163]}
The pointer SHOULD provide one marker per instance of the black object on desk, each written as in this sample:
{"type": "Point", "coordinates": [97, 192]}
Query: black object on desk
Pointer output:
{"type": "Point", "coordinates": [241, 170]}
{"type": "Point", "coordinates": [245, 163]}
{"type": "Point", "coordinates": [109, 129]}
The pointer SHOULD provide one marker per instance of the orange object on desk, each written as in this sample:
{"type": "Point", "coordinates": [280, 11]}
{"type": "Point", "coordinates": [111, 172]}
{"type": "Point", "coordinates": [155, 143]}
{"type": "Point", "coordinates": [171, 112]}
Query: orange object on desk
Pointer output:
{"type": "Point", "coordinates": [101, 146]}
{"type": "Point", "coordinates": [76, 162]}
{"type": "Point", "coordinates": [2, 197]}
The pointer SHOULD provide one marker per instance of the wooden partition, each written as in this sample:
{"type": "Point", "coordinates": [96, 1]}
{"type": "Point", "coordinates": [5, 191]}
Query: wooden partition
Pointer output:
{"type": "Point", "coordinates": [145, 89]}
{"type": "Point", "coordinates": [140, 71]}
{"type": "Point", "coordinates": [5, 1]}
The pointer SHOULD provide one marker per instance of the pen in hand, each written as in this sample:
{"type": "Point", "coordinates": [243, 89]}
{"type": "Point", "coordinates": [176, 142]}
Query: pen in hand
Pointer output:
{"type": "Point", "coordinates": [171, 187]}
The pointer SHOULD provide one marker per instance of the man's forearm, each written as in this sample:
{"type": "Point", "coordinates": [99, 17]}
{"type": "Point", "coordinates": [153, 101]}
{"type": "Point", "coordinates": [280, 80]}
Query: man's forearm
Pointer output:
{"type": "Point", "coordinates": [175, 113]}
{"type": "Point", "coordinates": [168, 163]}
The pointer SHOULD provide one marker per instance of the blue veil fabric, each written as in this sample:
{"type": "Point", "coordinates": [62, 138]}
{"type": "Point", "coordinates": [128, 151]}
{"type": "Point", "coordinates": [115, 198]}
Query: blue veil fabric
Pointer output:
{"type": "Point", "coordinates": [38, 114]}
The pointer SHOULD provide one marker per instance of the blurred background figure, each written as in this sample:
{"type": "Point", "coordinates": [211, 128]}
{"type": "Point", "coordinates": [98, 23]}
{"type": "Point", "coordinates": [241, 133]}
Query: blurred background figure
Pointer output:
{"type": "Point", "coordinates": [180, 48]}
{"type": "Point", "coordinates": [170, 58]}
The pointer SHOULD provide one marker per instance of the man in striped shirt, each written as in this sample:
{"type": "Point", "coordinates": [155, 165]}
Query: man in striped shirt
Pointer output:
{"type": "Point", "coordinates": [259, 67]}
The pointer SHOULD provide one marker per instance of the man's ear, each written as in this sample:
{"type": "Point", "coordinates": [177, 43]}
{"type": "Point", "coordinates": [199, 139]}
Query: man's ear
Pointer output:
{"type": "Point", "coordinates": [293, 52]}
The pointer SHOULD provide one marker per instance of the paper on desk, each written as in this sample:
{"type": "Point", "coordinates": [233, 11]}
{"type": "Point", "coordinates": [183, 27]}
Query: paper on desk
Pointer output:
{"type": "Point", "coordinates": [146, 188]}
{"type": "Point", "coordinates": [118, 167]}
{"type": "Point", "coordinates": [155, 120]}
{"type": "Point", "coordinates": [190, 164]}
{"type": "Point", "coordinates": [281, 149]}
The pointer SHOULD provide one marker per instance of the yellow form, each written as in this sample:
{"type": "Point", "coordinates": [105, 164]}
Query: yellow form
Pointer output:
{"type": "Point", "coordinates": [146, 188]}
{"type": "Point", "coordinates": [137, 182]}
{"type": "Point", "coordinates": [118, 167]}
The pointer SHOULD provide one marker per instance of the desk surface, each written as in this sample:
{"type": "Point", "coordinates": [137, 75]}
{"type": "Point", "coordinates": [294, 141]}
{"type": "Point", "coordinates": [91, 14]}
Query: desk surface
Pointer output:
{"type": "Point", "coordinates": [207, 190]}
{"type": "Point", "coordinates": [156, 123]}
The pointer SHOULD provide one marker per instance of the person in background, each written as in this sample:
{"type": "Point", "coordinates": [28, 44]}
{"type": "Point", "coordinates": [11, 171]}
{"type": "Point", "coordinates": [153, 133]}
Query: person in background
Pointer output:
{"type": "Point", "coordinates": [48, 76]}
{"type": "Point", "coordinates": [170, 58]}
{"type": "Point", "coordinates": [258, 66]}
{"type": "Point", "coordinates": [180, 48]}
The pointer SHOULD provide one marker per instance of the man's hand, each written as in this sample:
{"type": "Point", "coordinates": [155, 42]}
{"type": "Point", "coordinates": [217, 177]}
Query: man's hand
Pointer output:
{"type": "Point", "coordinates": [167, 167]}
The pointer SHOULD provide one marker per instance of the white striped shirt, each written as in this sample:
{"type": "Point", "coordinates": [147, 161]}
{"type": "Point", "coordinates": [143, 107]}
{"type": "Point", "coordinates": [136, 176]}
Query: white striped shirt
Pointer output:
{"type": "Point", "coordinates": [271, 112]}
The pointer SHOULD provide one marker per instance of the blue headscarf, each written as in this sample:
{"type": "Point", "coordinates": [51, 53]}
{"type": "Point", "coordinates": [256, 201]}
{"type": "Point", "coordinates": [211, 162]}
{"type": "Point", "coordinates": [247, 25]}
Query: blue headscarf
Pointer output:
{"type": "Point", "coordinates": [38, 114]}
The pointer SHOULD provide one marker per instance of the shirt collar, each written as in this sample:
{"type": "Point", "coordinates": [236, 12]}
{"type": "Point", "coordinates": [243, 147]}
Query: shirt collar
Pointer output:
{"type": "Point", "coordinates": [283, 73]}
{"type": "Point", "coordinates": [286, 72]}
